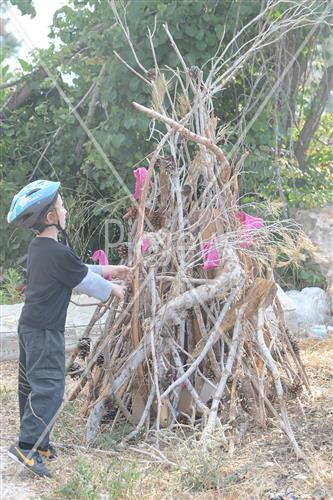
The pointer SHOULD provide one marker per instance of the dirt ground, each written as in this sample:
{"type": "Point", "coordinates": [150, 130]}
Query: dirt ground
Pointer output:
{"type": "Point", "coordinates": [262, 466]}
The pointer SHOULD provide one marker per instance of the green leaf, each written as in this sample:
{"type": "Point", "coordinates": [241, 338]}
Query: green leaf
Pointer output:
{"type": "Point", "coordinates": [25, 6]}
{"type": "Point", "coordinates": [118, 140]}
{"type": "Point", "coordinates": [219, 30]}
{"type": "Point", "coordinates": [4, 70]}
{"type": "Point", "coordinates": [25, 65]}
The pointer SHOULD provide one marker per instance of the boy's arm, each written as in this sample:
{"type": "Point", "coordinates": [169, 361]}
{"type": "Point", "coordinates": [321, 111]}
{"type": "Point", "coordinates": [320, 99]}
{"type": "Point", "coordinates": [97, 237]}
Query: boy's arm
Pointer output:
{"type": "Point", "coordinates": [95, 268]}
{"type": "Point", "coordinates": [68, 269]}
{"type": "Point", "coordinates": [95, 286]}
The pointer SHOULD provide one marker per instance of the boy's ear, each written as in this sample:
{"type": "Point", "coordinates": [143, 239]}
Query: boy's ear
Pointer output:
{"type": "Point", "coordinates": [49, 217]}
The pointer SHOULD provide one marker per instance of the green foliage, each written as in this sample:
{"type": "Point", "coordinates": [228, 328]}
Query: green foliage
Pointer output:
{"type": "Point", "coordinates": [88, 483]}
{"type": "Point", "coordinates": [297, 277]}
{"type": "Point", "coordinates": [25, 6]}
{"type": "Point", "coordinates": [318, 177]}
{"type": "Point", "coordinates": [6, 394]}
{"type": "Point", "coordinates": [203, 470]}
{"type": "Point", "coordinates": [25, 65]}
{"type": "Point", "coordinates": [8, 289]}
{"type": "Point", "coordinates": [302, 189]}
{"type": "Point", "coordinates": [9, 47]}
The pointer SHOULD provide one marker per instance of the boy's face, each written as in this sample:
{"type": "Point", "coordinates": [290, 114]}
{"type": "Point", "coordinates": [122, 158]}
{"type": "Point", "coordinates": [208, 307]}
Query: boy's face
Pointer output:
{"type": "Point", "coordinates": [61, 212]}
{"type": "Point", "coordinates": [58, 215]}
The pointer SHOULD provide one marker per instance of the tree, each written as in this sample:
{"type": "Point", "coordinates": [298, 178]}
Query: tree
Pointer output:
{"type": "Point", "coordinates": [316, 109]}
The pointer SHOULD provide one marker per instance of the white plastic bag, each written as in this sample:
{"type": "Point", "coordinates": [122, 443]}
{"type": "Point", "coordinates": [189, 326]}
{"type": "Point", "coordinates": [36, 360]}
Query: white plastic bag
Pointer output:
{"type": "Point", "coordinates": [312, 306]}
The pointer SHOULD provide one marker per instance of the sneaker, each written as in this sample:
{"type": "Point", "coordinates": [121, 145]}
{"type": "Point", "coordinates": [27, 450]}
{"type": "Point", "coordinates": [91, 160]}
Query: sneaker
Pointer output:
{"type": "Point", "coordinates": [50, 454]}
{"type": "Point", "coordinates": [30, 460]}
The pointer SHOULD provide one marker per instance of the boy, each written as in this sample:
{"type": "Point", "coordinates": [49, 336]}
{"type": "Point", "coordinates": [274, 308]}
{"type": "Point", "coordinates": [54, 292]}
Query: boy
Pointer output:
{"type": "Point", "coordinates": [53, 271]}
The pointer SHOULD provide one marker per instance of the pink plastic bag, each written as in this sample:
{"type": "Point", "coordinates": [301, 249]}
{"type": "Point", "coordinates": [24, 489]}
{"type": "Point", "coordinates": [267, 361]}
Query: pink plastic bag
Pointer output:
{"type": "Point", "coordinates": [210, 254]}
{"type": "Point", "coordinates": [145, 245]}
{"type": "Point", "coordinates": [140, 174]}
{"type": "Point", "coordinates": [249, 224]}
{"type": "Point", "coordinates": [100, 257]}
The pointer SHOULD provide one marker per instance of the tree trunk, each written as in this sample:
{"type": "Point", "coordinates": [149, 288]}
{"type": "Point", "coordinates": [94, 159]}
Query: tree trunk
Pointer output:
{"type": "Point", "coordinates": [317, 107]}
{"type": "Point", "coordinates": [22, 94]}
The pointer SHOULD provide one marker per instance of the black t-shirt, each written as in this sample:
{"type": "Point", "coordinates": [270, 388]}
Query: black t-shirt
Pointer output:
{"type": "Point", "coordinates": [53, 271]}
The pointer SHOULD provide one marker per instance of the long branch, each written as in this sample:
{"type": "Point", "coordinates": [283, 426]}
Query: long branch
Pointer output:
{"type": "Point", "coordinates": [92, 107]}
{"type": "Point", "coordinates": [277, 381]}
{"type": "Point", "coordinates": [191, 136]}
{"type": "Point", "coordinates": [225, 375]}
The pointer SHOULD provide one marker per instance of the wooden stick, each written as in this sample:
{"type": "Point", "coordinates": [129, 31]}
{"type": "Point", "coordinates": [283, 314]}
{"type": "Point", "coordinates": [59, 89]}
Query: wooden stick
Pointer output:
{"type": "Point", "coordinates": [153, 351]}
{"type": "Point", "coordinates": [187, 134]}
{"type": "Point", "coordinates": [201, 406]}
{"type": "Point", "coordinates": [98, 314]}
{"type": "Point", "coordinates": [296, 358]}
{"type": "Point", "coordinates": [144, 348]}
{"type": "Point", "coordinates": [277, 381]}
{"type": "Point", "coordinates": [204, 334]}
{"type": "Point", "coordinates": [233, 396]}
{"type": "Point", "coordinates": [144, 415]}
{"type": "Point", "coordinates": [225, 375]}
{"type": "Point", "coordinates": [120, 402]}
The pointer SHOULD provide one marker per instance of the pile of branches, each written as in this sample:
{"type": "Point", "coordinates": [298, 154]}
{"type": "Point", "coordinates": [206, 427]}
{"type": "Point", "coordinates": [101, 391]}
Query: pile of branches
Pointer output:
{"type": "Point", "coordinates": [201, 334]}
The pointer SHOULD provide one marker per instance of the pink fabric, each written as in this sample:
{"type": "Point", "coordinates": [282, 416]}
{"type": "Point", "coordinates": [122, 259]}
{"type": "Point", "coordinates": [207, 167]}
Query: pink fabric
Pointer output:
{"type": "Point", "coordinates": [249, 225]}
{"type": "Point", "coordinates": [100, 257]}
{"type": "Point", "coordinates": [210, 254]}
{"type": "Point", "coordinates": [140, 174]}
{"type": "Point", "coordinates": [145, 245]}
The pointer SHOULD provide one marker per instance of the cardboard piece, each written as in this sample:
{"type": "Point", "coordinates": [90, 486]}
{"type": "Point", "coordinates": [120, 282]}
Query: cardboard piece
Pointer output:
{"type": "Point", "coordinates": [206, 392]}
{"type": "Point", "coordinates": [185, 402]}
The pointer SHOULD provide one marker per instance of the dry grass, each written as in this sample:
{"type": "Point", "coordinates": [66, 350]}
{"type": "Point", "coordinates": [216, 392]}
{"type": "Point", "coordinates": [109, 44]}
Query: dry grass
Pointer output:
{"type": "Point", "coordinates": [263, 465]}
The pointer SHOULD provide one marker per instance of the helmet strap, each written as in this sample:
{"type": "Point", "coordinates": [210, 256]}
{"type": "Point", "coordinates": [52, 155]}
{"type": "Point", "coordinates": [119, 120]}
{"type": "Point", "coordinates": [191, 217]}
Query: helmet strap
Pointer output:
{"type": "Point", "coordinates": [63, 233]}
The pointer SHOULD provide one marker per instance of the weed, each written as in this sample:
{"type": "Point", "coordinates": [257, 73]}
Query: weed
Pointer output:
{"type": "Point", "coordinates": [202, 467]}
{"type": "Point", "coordinates": [72, 424]}
{"type": "Point", "coordinates": [123, 484]}
{"type": "Point", "coordinates": [5, 393]}
{"type": "Point", "coordinates": [9, 291]}
{"type": "Point", "coordinates": [106, 439]}
{"type": "Point", "coordinates": [81, 485]}
{"type": "Point", "coordinates": [107, 481]}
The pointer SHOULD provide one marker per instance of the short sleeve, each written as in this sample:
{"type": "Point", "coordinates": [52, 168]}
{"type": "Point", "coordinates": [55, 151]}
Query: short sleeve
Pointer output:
{"type": "Point", "coordinates": [68, 268]}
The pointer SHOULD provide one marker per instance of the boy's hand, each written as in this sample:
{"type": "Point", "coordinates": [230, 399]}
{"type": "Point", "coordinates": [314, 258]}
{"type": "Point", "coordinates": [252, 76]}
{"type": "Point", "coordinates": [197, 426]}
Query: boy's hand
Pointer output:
{"type": "Point", "coordinates": [124, 272]}
{"type": "Point", "coordinates": [121, 272]}
{"type": "Point", "coordinates": [118, 291]}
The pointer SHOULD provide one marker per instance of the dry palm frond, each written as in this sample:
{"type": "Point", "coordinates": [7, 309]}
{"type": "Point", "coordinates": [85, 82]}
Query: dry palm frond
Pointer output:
{"type": "Point", "coordinates": [183, 105]}
{"type": "Point", "coordinates": [158, 91]}
{"type": "Point", "coordinates": [295, 251]}
{"type": "Point", "coordinates": [274, 207]}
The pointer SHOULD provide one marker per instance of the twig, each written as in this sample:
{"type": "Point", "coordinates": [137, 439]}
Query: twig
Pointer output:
{"type": "Point", "coordinates": [211, 354]}
{"type": "Point", "coordinates": [277, 381]}
{"type": "Point", "coordinates": [143, 416]}
{"type": "Point", "coordinates": [225, 375]}
{"type": "Point", "coordinates": [92, 107]}
{"type": "Point", "coordinates": [201, 406]}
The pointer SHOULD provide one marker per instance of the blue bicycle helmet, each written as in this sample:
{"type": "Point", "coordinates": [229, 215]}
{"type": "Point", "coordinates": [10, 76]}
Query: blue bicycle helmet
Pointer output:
{"type": "Point", "coordinates": [30, 203]}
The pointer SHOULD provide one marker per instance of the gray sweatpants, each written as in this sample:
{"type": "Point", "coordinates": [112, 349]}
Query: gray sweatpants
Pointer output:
{"type": "Point", "coordinates": [41, 382]}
